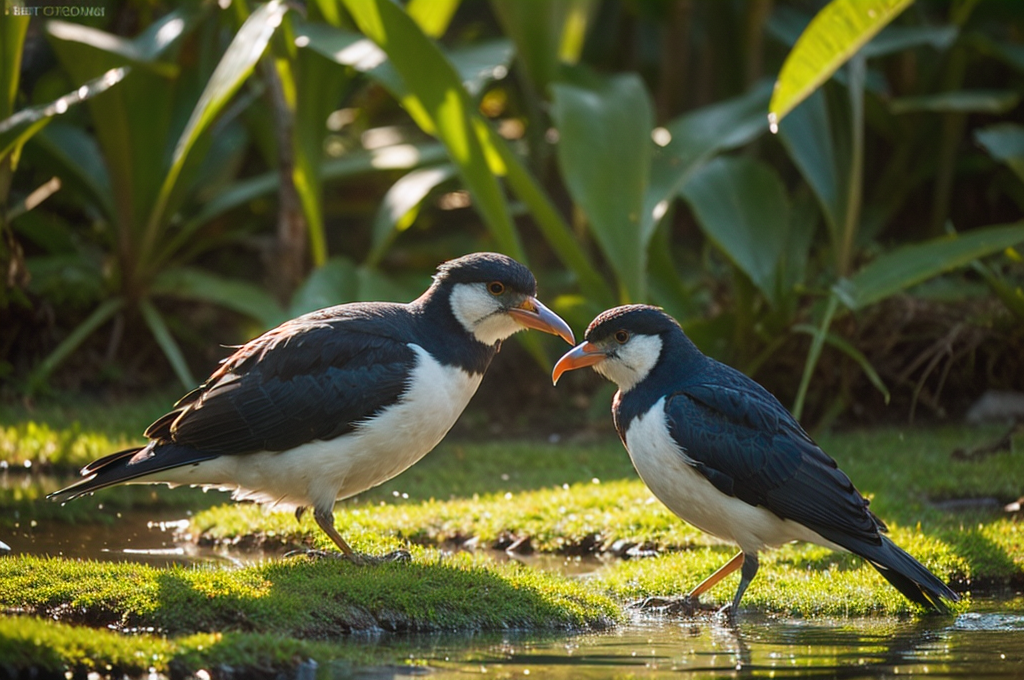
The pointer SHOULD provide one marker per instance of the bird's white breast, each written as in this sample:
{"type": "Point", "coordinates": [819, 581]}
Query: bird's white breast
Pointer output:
{"type": "Point", "coordinates": [672, 477]}
{"type": "Point", "coordinates": [319, 472]}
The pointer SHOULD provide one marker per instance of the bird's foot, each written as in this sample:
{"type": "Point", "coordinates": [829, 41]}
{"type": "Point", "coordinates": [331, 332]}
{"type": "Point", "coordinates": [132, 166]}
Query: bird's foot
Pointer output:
{"type": "Point", "coordinates": [362, 559]}
{"type": "Point", "coordinates": [670, 606]}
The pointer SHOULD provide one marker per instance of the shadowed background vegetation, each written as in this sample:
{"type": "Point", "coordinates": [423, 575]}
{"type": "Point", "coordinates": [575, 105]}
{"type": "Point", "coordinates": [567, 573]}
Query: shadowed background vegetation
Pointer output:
{"type": "Point", "coordinates": [175, 179]}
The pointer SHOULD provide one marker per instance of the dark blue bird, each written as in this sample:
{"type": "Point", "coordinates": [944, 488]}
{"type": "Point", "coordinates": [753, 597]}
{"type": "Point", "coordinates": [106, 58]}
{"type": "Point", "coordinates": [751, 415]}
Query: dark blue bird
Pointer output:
{"type": "Point", "coordinates": [723, 454]}
{"type": "Point", "coordinates": [337, 401]}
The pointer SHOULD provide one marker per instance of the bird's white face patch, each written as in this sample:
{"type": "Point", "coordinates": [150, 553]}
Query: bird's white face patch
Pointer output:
{"type": "Point", "coordinates": [481, 313]}
{"type": "Point", "coordinates": [631, 362]}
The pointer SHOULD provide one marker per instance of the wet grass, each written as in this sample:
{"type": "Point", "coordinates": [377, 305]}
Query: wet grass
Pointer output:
{"type": "Point", "coordinates": [573, 497]}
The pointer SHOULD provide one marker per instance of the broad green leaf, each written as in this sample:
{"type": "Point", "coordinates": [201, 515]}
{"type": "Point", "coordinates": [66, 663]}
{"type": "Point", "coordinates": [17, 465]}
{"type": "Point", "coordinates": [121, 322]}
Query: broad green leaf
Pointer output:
{"type": "Point", "coordinates": [435, 88]}
{"type": "Point", "coordinates": [432, 16]}
{"type": "Point", "coordinates": [900, 269]}
{"type": "Point", "coordinates": [144, 50]}
{"type": "Point", "coordinates": [808, 136]}
{"type": "Point", "coordinates": [12, 31]}
{"type": "Point", "coordinates": [477, 64]}
{"type": "Point", "coordinates": [352, 164]}
{"type": "Point", "coordinates": [162, 335]}
{"type": "Point", "coordinates": [400, 205]}
{"type": "Point", "coordinates": [545, 34]}
{"type": "Point", "coordinates": [694, 139]}
{"type": "Point", "coordinates": [836, 33]}
{"type": "Point", "coordinates": [1011, 53]}
{"type": "Point", "coordinates": [238, 62]}
{"type": "Point", "coordinates": [966, 101]}
{"type": "Point", "coordinates": [133, 122]}
{"type": "Point", "coordinates": [604, 149]}
{"type": "Point", "coordinates": [899, 38]}
{"type": "Point", "coordinates": [333, 283]}
{"type": "Point", "coordinates": [103, 313]}
{"type": "Point", "coordinates": [481, 63]}
{"type": "Point", "coordinates": [363, 55]}
{"type": "Point", "coordinates": [742, 208]}
{"type": "Point", "coordinates": [188, 283]}
{"type": "Point", "coordinates": [1004, 142]}
{"type": "Point", "coordinates": [17, 129]}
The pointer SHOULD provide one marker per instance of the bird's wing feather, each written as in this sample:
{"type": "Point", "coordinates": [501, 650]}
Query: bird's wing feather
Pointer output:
{"type": "Point", "coordinates": [746, 444]}
{"type": "Point", "coordinates": [311, 378]}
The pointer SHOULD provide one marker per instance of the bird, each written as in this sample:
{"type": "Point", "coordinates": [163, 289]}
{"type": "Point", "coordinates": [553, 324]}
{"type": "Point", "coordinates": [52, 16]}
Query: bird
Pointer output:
{"type": "Point", "coordinates": [724, 455]}
{"type": "Point", "coordinates": [334, 402]}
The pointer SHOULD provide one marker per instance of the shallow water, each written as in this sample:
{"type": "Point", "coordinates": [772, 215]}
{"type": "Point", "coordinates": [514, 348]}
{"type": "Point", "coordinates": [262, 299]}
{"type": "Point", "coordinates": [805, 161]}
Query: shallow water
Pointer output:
{"type": "Point", "coordinates": [988, 642]}
{"type": "Point", "coordinates": [983, 644]}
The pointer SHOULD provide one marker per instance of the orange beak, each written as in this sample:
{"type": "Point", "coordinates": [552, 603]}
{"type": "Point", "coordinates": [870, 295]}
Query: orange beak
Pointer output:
{"type": "Point", "coordinates": [532, 314]}
{"type": "Point", "coordinates": [585, 354]}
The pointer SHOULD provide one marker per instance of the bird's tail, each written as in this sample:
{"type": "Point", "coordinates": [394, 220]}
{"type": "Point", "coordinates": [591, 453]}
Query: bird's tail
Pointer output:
{"type": "Point", "coordinates": [128, 465]}
{"type": "Point", "coordinates": [909, 576]}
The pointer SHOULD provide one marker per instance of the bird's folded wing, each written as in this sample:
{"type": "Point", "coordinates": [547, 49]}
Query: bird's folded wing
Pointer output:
{"type": "Point", "coordinates": [746, 444]}
{"type": "Point", "coordinates": [309, 379]}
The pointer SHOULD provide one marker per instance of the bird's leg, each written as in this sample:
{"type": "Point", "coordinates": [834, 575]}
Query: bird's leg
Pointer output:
{"type": "Point", "coordinates": [711, 581]}
{"type": "Point", "coordinates": [690, 603]}
{"type": "Point", "coordinates": [299, 512]}
{"type": "Point", "coordinates": [747, 574]}
{"type": "Point", "coordinates": [325, 518]}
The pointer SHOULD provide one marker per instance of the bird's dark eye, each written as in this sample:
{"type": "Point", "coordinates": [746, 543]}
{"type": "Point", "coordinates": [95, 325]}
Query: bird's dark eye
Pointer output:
{"type": "Point", "coordinates": [621, 337]}
{"type": "Point", "coordinates": [496, 287]}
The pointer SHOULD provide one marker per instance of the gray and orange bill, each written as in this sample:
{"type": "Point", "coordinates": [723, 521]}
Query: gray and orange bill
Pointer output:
{"type": "Point", "coordinates": [584, 354]}
{"type": "Point", "coordinates": [532, 314]}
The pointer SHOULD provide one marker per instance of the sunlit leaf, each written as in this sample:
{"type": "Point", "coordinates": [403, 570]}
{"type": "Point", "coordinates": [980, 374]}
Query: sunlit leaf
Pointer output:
{"type": "Point", "coordinates": [742, 207]}
{"type": "Point", "coordinates": [836, 33]}
{"type": "Point", "coordinates": [432, 16]}
{"type": "Point", "coordinates": [545, 34]}
{"type": "Point", "coordinates": [234, 67]}
{"type": "Point", "coordinates": [604, 149]}
{"type": "Point", "coordinates": [964, 101]}
{"type": "Point", "coordinates": [435, 88]}
{"type": "Point", "coordinates": [12, 37]}
{"type": "Point", "coordinates": [400, 205]}
{"type": "Point", "coordinates": [902, 268]}
{"type": "Point", "coordinates": [15, 130]}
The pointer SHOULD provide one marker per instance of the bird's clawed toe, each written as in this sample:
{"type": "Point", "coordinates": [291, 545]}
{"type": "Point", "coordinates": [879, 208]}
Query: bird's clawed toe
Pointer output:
{"type": "Point", "coordinates": [358, 558]}
{"type": "Point", "coordinates": [669, 606]}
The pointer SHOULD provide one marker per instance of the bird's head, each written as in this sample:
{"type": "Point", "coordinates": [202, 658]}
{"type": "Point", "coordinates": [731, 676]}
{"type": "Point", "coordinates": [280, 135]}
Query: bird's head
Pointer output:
{"type": "Point", "coordinates": [623, 344]}
{"type": "Point", "coordinates": [492, 296]}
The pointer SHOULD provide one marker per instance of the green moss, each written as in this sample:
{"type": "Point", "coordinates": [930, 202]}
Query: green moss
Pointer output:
{"type": "Point", "coordinates": [302, 598]}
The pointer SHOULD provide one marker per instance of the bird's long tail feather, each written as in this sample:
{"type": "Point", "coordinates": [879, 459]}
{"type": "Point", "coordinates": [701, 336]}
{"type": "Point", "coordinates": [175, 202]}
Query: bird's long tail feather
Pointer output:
{"type": "Point", "coordinates": [125, 466]}
{"type": "Point", "coordinates": [909, 576]}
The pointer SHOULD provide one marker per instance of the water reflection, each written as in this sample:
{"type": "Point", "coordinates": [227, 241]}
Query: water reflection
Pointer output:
{"type": "Point", "coordinates": [981, 646]}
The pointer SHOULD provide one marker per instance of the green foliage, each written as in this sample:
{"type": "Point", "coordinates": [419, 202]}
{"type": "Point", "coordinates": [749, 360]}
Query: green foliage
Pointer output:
{"type": "Point", "coordinates": [836, 33]}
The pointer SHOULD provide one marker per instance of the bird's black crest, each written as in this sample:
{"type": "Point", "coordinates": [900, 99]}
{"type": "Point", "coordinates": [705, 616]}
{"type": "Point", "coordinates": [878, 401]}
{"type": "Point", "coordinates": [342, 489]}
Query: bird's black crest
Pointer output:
{"type": "Point", "coordinates": [486, 267]}
{"type": "Point", "coordinates": [642, 319]}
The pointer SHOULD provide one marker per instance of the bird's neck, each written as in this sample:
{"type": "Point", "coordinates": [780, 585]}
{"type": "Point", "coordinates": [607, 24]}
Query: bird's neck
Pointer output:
{"type": "Point", "coordinates": [445, 337]}
{"type": "Point", "coordinates": [679, 364]}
